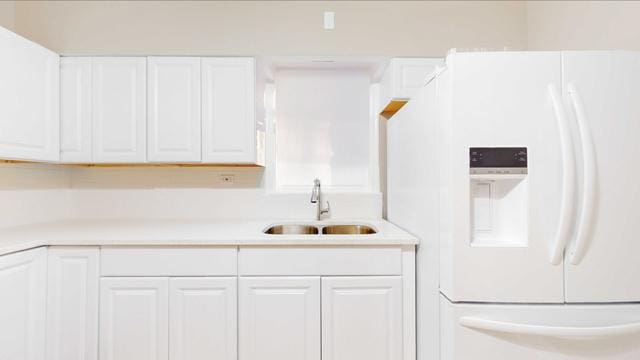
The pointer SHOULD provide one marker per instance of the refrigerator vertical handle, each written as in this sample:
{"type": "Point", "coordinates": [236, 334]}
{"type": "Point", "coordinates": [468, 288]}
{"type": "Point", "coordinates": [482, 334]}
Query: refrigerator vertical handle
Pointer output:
{"type": "Point", "coordinates": [587, 211]}
{"type": "Point", "coordinates": [567, 202]}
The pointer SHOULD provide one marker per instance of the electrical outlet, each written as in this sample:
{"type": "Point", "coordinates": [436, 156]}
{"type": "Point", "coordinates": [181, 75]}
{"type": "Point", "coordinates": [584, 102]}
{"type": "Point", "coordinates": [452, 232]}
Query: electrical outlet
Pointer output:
{"type": "Point", "coordinates": [227, 178]}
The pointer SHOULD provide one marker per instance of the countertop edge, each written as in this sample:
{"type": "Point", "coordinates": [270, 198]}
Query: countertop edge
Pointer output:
{"type": "Point", "coordinates": [176, 233]}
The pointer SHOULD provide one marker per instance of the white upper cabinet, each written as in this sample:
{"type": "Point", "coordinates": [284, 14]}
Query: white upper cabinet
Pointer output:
{"type": "Point", "coordinates": [401, 79]}
{"type": "Point", "coordinates": [174, 120]}
{"type": "Point", "coordinates": [228, 121]}
{"type": "Point", "coordinates": [29, 100]}
{"type": "Point", "coordinates": [75, 109]}
{"type": "Point", "coordinates": [200, 110]}
{"type": "Point", "coordinates": [23, 287]}
{"type": "Point", "coordinates": [119, 110]}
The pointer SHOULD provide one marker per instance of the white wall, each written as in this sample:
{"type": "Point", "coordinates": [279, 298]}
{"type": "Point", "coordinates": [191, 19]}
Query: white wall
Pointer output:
{"type": "Point", "coordinates": [215, 204]}
{"type": "Point", "coordinates": [8, 14]}
{"type": "Point", "coordinates": [583, 25]}
{"type": "Point", "coordinates": [406, 28]}
{"type": "Point", "coordinates": [33, 193]}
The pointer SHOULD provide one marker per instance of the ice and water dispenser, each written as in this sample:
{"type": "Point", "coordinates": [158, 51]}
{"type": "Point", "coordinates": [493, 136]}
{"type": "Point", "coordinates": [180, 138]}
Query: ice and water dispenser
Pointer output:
{"type": "Point", "coordinates": [499, 196]}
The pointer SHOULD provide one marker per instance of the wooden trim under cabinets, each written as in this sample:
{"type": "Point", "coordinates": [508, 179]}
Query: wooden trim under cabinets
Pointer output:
{"type": "Point", "coordinates": [392, 107]}
{"type": "Point", "coordinates": [133, 164]}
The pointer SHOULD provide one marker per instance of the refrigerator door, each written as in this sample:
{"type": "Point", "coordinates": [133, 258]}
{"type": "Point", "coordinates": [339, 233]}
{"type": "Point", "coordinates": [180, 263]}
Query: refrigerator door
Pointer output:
{"type": "Point", "coordinates": [537, 332]}
{"type": "Point", "coordinates": [498, 230]}
{"type": "Point", "coordinates": [602, 90]}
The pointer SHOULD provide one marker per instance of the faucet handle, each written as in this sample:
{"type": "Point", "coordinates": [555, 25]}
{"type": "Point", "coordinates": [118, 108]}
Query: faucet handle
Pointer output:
{"type": "Point", "coordinates": [326, 210]}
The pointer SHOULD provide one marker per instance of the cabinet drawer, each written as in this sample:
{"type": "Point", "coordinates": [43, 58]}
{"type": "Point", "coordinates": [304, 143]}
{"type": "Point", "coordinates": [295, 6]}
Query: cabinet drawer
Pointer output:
{"type": "Point", "coordinates": [304, 261]}
{"type": "Point", "coordinates": [173, 261]}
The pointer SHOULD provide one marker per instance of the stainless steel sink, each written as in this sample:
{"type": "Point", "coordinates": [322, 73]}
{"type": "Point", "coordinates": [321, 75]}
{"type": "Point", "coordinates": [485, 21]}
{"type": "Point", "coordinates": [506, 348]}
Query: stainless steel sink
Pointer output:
{"type": "Point", "coordinates": [329, 229]}
{"type": "Point", "coordinates": [348, 230]}
{"type": "Point", "coordinates": [292, 229]}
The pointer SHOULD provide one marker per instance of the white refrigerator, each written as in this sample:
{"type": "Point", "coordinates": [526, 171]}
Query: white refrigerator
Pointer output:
{"type": "Point", "coordinates": [517, 171]}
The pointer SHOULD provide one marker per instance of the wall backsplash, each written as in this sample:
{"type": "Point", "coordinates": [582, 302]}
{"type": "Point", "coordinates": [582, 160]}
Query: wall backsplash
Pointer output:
{"type": "Point", "coordinates": [216, 204]}
{"type": "Point", "coordinates": [32, 193]}
{"type": "Point", "coordinates": [165, 177]}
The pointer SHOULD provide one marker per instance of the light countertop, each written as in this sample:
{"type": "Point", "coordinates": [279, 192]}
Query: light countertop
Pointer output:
{"type": "Point", "coordinates": [182, 232]}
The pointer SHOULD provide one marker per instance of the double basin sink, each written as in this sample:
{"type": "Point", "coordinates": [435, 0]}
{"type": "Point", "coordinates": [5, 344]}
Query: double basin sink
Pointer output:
{"type": "Point", "coordinates": [329, 229]}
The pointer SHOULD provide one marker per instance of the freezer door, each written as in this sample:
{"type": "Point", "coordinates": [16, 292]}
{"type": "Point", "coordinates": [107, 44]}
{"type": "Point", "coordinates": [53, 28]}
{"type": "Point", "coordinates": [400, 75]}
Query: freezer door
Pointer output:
{"type": "Point", "coordinates": [602, 94]}
{"type": "Point", "coordinates": [537, 332]}
{"type": "Point", "coordinates": [498, 229]}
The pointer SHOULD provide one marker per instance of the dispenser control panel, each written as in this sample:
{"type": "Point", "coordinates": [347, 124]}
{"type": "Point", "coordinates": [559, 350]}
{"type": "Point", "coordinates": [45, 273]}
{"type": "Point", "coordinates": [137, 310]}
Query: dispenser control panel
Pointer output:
{"type": "Point", "coordinates": [498, 160]}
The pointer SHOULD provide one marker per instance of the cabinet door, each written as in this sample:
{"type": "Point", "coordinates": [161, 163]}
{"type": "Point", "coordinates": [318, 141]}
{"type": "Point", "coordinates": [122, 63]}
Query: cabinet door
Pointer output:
{"type": "Point", "coordinates": [22, 305]}
{"type": "Point", "coordinates": [134, 319]}
{"type": "Point", "coordinates": [29, 99]}
{"type": "Point", "coordinates": [362, 318]}
{"type": "Point", "coordinates": [174, 121]}
{"type": "Point", "coordinates": [402, 78]}
{"type": "Point", "coordinates": [229, 130]}
{"type": "Point", "coordinates": [279, 318]}
{"type": "Point", "coordinates": [72, 303]}
{"type": "Point", "coordinates": [119, 110]}
{"type": "Point", "coordinates": [203, 318]}
{"type": "Point", "coordinates": [410, 74]}
{"type": "Point", "coordinates": [75, 109]}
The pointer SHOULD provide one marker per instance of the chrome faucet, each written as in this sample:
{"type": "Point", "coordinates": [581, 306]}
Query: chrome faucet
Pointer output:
{"type": "Point", "coordinates": [316, 198]}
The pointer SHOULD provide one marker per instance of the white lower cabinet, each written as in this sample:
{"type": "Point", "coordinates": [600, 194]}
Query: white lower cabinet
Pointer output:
{"type": "Point", "coordinates": [23, 287]}
{"type": "Point", "coordinates": [279, 318]}
{"type": "Point", "coordinates": [161, 318]}
{"type": "Point", "coordinates": [134, 318]}
{"type": "Point", "coordinates": [101, 304]}
{"type": "Point", "coordinates": [296, 318]}
{"type": "Point", "coordinates": [362, 318]}
{"type": "Point", "coordinates": [72, 303]}
{"type": "Point", "coordinates": [203, 318]}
